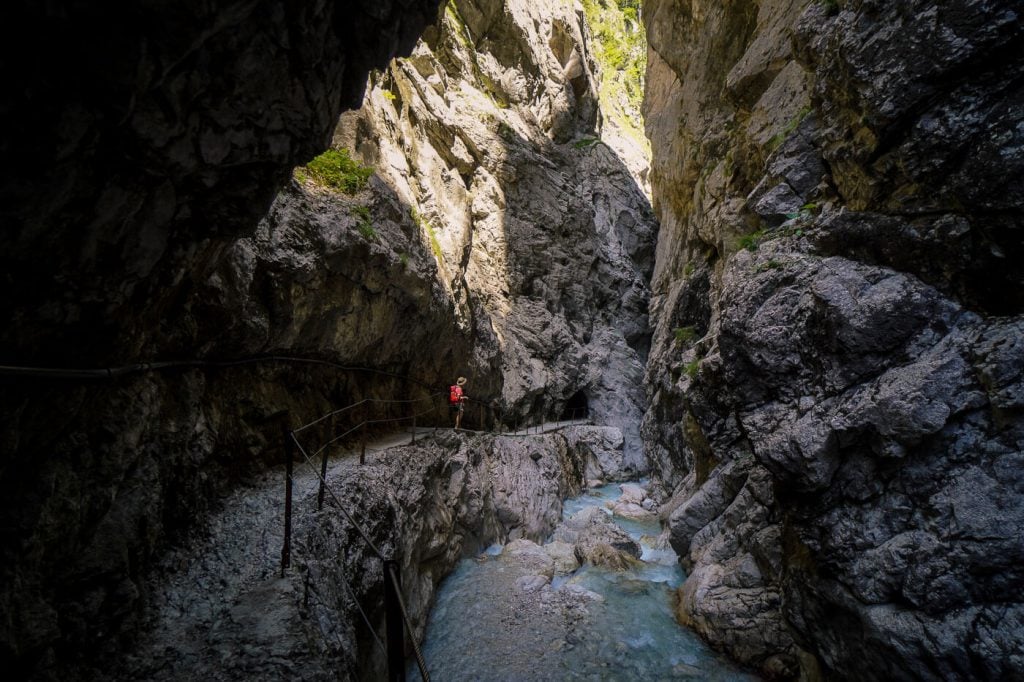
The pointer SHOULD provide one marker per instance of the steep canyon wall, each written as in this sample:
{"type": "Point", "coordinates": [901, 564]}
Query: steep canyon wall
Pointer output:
{"type": "Point", "coordinates": [146, 146]}
{"type": "Point", "coordinates": [543, 237]}
{"type": "Point", "coordinates": [498, 238]}
{"type": "Point", "coordinates": [836, 372]}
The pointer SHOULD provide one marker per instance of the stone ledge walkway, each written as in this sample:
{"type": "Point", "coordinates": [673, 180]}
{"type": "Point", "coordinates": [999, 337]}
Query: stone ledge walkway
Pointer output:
{"type": "Point", "coordinates": [209, 593]}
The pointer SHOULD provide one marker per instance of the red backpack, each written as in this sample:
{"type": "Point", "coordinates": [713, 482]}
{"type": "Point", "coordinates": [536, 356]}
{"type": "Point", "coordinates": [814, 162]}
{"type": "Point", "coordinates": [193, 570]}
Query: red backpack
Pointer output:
{"type": "Point", "coordinates": [455, 393]}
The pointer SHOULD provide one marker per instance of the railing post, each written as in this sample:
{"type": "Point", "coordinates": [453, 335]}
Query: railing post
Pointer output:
{"type": "Point", "coordinates": [413, 441]}
{"type": "Point", "coordinates": [362, 443]}
{"type": "Point", "coordinates": [323, 482]}
{"type": "Point", "coordinates": [393, 622]}
{"type": "Point", "coordinates": [289, 451]}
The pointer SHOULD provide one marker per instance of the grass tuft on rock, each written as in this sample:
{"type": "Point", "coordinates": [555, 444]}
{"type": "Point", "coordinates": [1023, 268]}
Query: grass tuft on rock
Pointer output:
{"type": "Point", "coordinates": [336, 170]}
{"type": "Point", "coordinates": [685, 334]}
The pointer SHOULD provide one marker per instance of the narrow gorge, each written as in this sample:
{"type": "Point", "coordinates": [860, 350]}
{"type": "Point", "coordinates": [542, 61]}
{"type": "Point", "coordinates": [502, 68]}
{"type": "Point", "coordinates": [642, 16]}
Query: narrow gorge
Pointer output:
{"type": "Point", "coordinates": [762, 257]}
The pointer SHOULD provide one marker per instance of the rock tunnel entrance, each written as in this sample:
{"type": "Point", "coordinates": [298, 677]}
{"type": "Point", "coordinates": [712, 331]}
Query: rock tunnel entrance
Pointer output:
{"type": "Point", "coordinates": [576, 407]}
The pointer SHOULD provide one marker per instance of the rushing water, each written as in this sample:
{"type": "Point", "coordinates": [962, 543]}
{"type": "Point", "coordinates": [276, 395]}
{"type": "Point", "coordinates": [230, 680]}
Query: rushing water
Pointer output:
{"type": "Point", "coordinates": [483, 628]}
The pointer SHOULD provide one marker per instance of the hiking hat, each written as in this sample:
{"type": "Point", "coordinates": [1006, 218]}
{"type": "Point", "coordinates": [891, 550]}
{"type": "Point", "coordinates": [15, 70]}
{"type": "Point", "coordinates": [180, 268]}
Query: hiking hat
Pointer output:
{"type": "Point", "coordinates": [461, 381]}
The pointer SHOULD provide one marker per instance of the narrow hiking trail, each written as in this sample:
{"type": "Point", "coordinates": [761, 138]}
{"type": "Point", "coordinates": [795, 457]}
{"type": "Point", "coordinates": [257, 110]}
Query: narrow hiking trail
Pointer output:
{"type": "Point", "coordinates": [226, 577]}
{"type": "Point", "coordinates": [218, 597]}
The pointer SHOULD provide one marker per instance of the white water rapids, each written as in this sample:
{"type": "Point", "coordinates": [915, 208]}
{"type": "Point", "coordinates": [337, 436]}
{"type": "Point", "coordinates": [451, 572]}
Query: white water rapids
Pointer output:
{"type": "Point", "coordinates": [488, 624]}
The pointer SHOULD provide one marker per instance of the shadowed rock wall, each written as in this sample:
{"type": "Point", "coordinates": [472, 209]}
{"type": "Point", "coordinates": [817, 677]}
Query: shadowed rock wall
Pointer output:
{"type": "Point", "coordinates": [836, 371]}
{"type": "Point", "coordinates": [147, 140]}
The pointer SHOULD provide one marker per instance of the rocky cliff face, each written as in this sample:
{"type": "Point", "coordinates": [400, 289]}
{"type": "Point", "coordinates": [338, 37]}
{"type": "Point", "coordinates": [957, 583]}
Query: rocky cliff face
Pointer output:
{"type": "Point", "coordinates": [836, 372]}
{"type": "Point", "coordinates": [542, 236]}
{"type": "Point", "coordinates": [147, 140]}
{"type": "Point", "coordinates": [147, 165]}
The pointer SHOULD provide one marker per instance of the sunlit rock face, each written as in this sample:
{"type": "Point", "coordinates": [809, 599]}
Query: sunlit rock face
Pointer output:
{"type": "Point", "coordinates": [836, 368]}
{"type": "Point", "coordinates": [541, 234]}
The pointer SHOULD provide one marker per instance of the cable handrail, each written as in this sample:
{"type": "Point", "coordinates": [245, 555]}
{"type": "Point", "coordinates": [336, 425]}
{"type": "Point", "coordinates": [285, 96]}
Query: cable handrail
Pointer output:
{"type": "Point", "coordinates": [400, 419]}
{"type": "Point", "coordinates": [154, 365]}
{"type": "Point", "coordinates": [394, 605]}
{"type": "Point", "coordinates": [420, 662]}
{"type": "Point", "coordinates": [355, 524]}
{"type": "Point", "coordinates": [363, 402]}
{"type": "Point", "coordinates": [366, 422]}
{"type": "Point", "coordinates": [366, 619]}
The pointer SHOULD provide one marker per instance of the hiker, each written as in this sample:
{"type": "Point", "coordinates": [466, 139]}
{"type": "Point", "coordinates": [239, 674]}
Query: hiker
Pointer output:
{"type": "Point", "coordinates": [456, 400]}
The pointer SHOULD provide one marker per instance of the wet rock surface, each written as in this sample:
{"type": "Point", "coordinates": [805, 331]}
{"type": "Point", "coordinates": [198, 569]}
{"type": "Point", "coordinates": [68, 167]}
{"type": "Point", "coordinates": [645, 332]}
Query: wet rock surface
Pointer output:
{"type": "Point", "coordinates": [836, 456]}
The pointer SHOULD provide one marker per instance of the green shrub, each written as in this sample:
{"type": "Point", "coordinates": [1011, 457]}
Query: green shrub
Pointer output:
{"type": "Point", "coordinates": [337, 170]}
{"type": "Point", "coordinates": [425, 225]}
{"type": "Point", "coordinates": [691, 368]}
{"type": "Point", "coordinates": [770, 265]}
{"type": "Point", "coordinates": [366, 229]}
{"type": "Point", "coordinates": [831, 6]}
{"type": "Point", "coordinates": [685, 334]}
{"type": "Point", "coordinates": [364, 222]}
{"type": "Point", "coordinates": [507, 132]}
{"type": "Point", "coordinates": [751, 241]}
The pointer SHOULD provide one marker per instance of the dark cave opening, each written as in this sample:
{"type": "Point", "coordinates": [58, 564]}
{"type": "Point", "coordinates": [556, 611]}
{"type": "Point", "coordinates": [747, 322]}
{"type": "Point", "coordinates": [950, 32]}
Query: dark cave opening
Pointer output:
{"type": "Point", "coordinates": [576, 407]}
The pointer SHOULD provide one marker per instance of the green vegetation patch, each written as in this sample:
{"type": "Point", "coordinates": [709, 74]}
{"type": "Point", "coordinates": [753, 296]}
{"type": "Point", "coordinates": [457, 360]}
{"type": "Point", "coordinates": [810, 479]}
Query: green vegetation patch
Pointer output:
{"type": "Point", "coordinates": [685, 334]}
{"type": "Point", "coordinates": [620, 46]}
{"type": "Point", "coordinates": [751, 241]}
{"type": "Point", "coordinates": [364, 222]}
{"type": "Point", "coordinates": [791, 125]}
{"type": "Point", "coordinates": [425, 225]}
{"type": "Point", "coordinates": [831, 6]}
{"type": "Point", "coordinates": [770, 265]}
{"type": "Point", "coordinates": [337, 170]}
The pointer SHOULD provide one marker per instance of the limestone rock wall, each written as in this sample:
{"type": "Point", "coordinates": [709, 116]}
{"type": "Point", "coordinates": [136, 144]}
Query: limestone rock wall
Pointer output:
{"type": "Point", "coordinates": [542, 235]}
{"type": "Point", "coordinates": [836, 369]}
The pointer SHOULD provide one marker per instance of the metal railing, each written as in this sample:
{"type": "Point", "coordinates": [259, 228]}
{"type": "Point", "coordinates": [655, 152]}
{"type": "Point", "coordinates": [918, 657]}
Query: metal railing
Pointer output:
{"type": "Point", "coordinates": [488, 419]}
{"type": "Point", "coordinates": [395, 611]}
